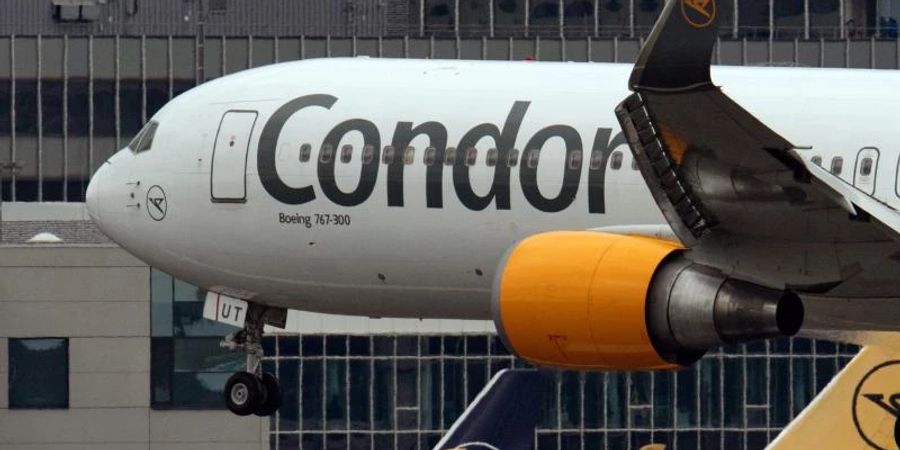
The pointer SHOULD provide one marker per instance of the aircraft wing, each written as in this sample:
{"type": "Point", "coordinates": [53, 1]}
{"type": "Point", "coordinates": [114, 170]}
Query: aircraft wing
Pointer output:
{"type": "Point", "coordinates": [735, 191]}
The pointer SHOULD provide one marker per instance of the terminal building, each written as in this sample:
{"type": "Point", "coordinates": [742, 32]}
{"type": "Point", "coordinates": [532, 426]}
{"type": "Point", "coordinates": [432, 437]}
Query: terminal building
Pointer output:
{"type": "Point", "coordinates": [98, 350]}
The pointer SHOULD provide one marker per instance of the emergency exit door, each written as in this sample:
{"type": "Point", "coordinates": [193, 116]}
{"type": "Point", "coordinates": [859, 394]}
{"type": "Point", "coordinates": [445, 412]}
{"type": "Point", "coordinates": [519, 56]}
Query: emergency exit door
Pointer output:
{"type": "Point", "coordinates": [228, 178]}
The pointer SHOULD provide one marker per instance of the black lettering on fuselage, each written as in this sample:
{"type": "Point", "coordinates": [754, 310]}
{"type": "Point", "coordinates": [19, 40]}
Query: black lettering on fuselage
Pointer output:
{"type": "Point", "coordinates": [368, 172]}
{"type": "Point", "coordinates": [437, 138]}
{"type": "Point", "coordinates": [571, 176]}
{"type": "Point", "coordinates": [405, 133]}
{"type": "Point", "coordinates": [268, 142]}
{"type": "Point", "coordinates": [504, 139]}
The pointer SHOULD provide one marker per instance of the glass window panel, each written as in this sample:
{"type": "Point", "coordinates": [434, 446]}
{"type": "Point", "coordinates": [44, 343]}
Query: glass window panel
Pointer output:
{"type": "Point", "coordinates": [336, 394]}
{"type": "Point", "coordinates": [614, 17]}
{"type": "Point", "coordinates": [454, 399]}
{"type": "Point", "coordinates": [312, 441]}
{"type": "Point", "coordinates": [38, 373]}
{"type": "Point", "coordinates": [311, 396]}
{"type": "Point", "coordinates": [187, 320]}
{"type": "Point", "coordinates": [407, 345]}
{"type": "Point", "coordinates": [130, 107]}
{"type": "Point", "coordinates": [544, 17]}
{"type": "Point", "coordinates": [383, 345]}
{"type": "Point", "coordinates": [450, 156]}
{"type": "Point", "coordinates": [205, 355]}
{"type": "Point", "coordinates": [663, 399]}
{"type": "Point", "coordinates": [780, 388]}
{"type": "Point", "coordinates": [360, 377]}
{"type": "Point", "coordinates": [686, 385]}
{"type": "Point", "coordinates": [383, 395]}
{"type": "Point", "coordinates": [710, 384]}
{"type": "Point", "coordinates": [734, 393]}
{"type": "Point", "coordinates": [513, 158]}
{"type": "Point", "coordinates": [288, 345]}
{"type": "Point", "coordinates": [430, 395]}
{"type": "Point", "coordinates": [387, 156]}
{"type": "Point", "coordinates": [640, 388]}
{"type": "Point", "coordinates": [79, 118]}
{"type": "Point", "coordinates": [616, 400]}
{"type": "Point", "coordinates": [161, 370]}
{"type": "Point", "coordinates": [198, 390]}
{"type": "Point", "coordinates": [312, 345]}
{"type": "Point", "coordinates": [474, 17]}
{"type": "Point", "coordinates": [616, 162]}
{"type": "Point", "coordinates": [476, 377]}
{"type": "Point", "coordinates": [5, 98]}
{"type": "Point", "coordinates": [185, 292]}
{"type": "Point", "coordinates": [454, 345]}
{"type": "Point", "coordinates": [476, 345]}
{"type": "Point", "coordinates": [804, 384]}
{"type": "Point", "coordinates": [550, 408]}
{"type": "Point", "coordinates": [825, 19]}
{"type": "Point", "coordinates": [753, 19]}
{"type": "Point", "coordinates": [51, 107]}
{"type": "Point", "coordinates": [570, 400]}
{"type": "Point", "coordinates": [407, 372]}
{"type": "Point", "coordinates": [359, 345]}
{"type": "Point", "coordinates": [104, 108]}
{"type": "Point", "coordinates": [157, 95]}
{"type": "Point", "coordinates": [756, 381]}
{"type": "Point", "coordinates": [26, 108]}
{"type": "Point", "coordinates": [509, 17]}
{"type": "Point", "coordinates": [289, 378]}
{"type": "Point", "coordinates": [336, 345]}
{"type": "Point", "coordinates": [439, 16]}
{"type": "Point", "coordinates": [346, 153]}
{"type": "Point", "coordinates": [593, 400]}
{"type": "Point", "coordinates": [161, 303]}
{"type": "Point", "coordinates": [789, 18]}
{"type": "Point", "coordinates": [578, 17]}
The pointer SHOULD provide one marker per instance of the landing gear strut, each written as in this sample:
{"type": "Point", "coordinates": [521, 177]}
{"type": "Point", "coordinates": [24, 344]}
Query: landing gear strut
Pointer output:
{"type": "Point", "coordinates": [251, 391]}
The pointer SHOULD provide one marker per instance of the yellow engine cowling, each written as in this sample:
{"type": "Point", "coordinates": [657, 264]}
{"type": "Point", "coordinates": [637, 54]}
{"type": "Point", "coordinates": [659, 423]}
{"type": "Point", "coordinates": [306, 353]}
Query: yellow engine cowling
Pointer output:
{"type": "Point", "coordinates": [577, 300]}
{"type": "Point", "coordinates": [598, 301]}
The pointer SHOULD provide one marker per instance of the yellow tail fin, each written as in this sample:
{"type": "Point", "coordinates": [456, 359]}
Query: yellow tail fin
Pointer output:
{"type": "Point", "coordinates": [859, 409]}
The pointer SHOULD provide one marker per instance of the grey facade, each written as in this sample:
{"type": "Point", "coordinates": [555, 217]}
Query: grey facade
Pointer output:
{"type": "Point", "coordinates": [95, 297]}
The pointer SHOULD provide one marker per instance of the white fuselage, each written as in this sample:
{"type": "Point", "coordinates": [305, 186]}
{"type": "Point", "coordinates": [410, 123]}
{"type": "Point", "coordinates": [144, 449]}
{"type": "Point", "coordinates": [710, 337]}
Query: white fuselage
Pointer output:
{"type": "Point", "coordinates": [421, 238]}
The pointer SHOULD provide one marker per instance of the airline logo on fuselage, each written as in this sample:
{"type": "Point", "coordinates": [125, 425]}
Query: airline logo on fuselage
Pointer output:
{"type": "Point", "coordinates": [876, 407]}
{"type": "Point", "coordinates": [504, 137]}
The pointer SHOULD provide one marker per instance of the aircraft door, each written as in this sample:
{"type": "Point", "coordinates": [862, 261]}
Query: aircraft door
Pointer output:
{"type": "Point", "coordinates": [228, 177]}
{"type": "Point", "coordinates": [866, 170]}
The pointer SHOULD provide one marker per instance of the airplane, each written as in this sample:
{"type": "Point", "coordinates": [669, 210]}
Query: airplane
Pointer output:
{"type": "Point", "coordinates": [604, 216]}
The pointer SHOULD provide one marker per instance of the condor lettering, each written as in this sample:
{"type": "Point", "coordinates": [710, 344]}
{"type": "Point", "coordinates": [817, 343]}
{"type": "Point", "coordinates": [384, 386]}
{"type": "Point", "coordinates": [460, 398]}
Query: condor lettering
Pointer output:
{"type": "Point", "coordinates": [504, 139]}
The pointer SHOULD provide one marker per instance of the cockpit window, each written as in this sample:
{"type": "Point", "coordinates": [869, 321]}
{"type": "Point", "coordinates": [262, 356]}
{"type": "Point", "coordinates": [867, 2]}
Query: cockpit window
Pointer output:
{"type": "Point", "coordinates": [144, 139]}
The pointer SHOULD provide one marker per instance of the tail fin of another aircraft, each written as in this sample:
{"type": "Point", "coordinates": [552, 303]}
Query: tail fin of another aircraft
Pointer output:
{"type": "Point", "coordinates": [859, 409]}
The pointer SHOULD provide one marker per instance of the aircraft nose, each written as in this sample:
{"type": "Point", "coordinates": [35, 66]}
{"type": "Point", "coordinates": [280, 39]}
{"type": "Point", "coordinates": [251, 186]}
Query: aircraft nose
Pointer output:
{"type": "Point", "coordinates": [93, 197]}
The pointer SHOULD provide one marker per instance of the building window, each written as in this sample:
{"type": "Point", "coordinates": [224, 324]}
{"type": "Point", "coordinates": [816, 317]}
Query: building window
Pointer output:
{"type": "Point", "coordinates": [38, 373]}
{"type": "Point", "coordinates": [188, 369]}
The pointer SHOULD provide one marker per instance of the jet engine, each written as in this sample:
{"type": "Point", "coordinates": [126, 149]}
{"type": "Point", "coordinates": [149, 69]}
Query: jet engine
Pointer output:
{"type": "Point", "coordinates": [599, 301]}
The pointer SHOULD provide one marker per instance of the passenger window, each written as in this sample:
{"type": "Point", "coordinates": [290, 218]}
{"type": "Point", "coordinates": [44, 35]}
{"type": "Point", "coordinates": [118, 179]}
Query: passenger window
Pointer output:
{"type": "Point", "coordinates": [616, 162]}
{"type": "Point", "coordinates": [409, 156]}
{"type": "Point", "coordinates": [430, 156]}
{"type": "Point", "coordinates": [512, 159]}
{"type": "Point", "coordinates": [368, 154]}
{"type": "Point", "coordinates": [144, 140]}
{"type": "Point", "coordinates": [346, 153]}
{"type": "Point", "coordinates": [634, 164]}
{"type": "Point", "coordinates": [387, 156]}
{"type": "Point", "coordinates": [450, 156]}
{"type": "Point", "coordinates": [575, 160]}
{"type": "Point", "coordinates": [327, 154]}
{"type": "Point", "coordinates": [305, 152]}
{"type": "Point", "coordinates": [817, 160]}
{"type": "Point", "coordinates": [596, 159]}
{"type": "Point", "coordinates": [837, 165]}
{"type": "Point", "coordinates": [471, 156]}
{"type": "Point", "coordinates": [492, 156]}
{"type": "Point", "coordinates": [866, 168]}
{"type": "Point", "coordinates": [533, 156]}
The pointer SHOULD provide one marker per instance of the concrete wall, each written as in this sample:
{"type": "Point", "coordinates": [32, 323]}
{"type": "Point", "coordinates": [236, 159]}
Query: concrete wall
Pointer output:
{"type": "Point", "coordinates": [98, 297]}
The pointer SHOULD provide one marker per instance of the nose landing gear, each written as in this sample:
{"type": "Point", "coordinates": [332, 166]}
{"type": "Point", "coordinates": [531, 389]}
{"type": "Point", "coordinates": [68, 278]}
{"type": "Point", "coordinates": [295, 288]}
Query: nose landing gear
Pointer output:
{"type": "Point", "coordinates": [251, 391]}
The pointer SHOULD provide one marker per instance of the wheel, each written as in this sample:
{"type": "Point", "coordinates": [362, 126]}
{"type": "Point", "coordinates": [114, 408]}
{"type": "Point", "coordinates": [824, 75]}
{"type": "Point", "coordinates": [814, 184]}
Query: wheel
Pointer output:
{"type": "Point", "coordinates": [272, 388]}
{"type": "Point", "coordinates": [243, 393]}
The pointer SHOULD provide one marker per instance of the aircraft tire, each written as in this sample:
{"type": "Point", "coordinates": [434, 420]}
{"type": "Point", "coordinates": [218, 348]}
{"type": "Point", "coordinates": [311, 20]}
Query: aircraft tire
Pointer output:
{"type": "Point", "coordinates": [244, 393]}
{"type": "Point", "coordinates": [272, 402]}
